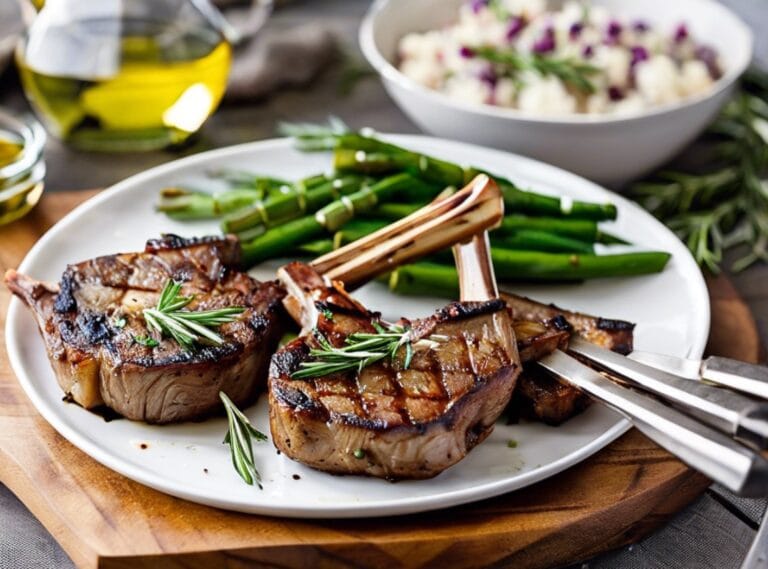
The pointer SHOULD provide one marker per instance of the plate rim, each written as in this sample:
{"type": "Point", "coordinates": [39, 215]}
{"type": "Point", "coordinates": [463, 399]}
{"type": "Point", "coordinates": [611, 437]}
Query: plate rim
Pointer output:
{"type": "Point", "coordinates": [377, 508]}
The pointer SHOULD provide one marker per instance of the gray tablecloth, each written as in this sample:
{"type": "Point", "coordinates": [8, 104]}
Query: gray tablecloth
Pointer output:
{"type": "Point", "coordinates": [713, 533]}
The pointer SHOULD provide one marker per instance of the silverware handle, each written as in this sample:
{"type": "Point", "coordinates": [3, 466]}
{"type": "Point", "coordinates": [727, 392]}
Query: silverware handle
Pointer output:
{"type": "Point", "coordinates": [728, 411]}
{"type": "Point", "coordinates": [701, 447]}
{"type": "Point", "coordinates": [757, 556]}
{"type": "Point", "coordinates": [741, 376]}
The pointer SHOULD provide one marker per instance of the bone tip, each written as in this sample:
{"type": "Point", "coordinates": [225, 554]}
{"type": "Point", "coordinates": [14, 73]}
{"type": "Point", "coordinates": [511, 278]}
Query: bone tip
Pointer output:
{"type": "Point", "coordinates": [484, 185]}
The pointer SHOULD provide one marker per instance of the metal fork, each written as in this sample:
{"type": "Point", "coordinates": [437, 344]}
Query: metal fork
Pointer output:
{"type": "Point", "coordinates": [713, 453]}
{"type": "Point", "coordinates": [700, 446]}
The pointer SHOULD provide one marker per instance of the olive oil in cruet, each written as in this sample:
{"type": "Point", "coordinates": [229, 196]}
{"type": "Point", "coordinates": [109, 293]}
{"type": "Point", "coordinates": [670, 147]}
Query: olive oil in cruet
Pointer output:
{"type": "Point", "coordinates": [123, 74]}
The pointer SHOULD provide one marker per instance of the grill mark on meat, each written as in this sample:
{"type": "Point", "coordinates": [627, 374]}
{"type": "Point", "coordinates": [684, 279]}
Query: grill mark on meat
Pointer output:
{"type": "Point", "coordinates": [65, 300]}
{"type": "Point", "coordinates": [182, 276]}
{"type": "Point", "coordinates": [560, 322]}
{"type": "Point", "coordinates": [258, 322]}
{"type": "Point", "coordinates": [94, 327]}
{"type": "Point", "coordinates": [607, 324]}
{"type": "Point", "coordinates": [539, 396]}
{"type": "Point", "coordinates": [98, 362]}
{"type": "Point", "coordinates": [461, 310]}
{"type": "Point", "coordinates": [201, 355]}
{"type": "Point", "coordinates": [298, 400]}
{"type": "Point", "coordinates": [287, 360]}
{"type": "Point", "coordinates": [170, 241]}
{"type": "Point", "coordinates": [410, 423]}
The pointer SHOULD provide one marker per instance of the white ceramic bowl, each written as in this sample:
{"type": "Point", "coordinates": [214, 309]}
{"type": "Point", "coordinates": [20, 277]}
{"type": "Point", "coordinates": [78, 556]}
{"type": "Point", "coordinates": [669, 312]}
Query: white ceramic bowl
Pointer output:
{"type": "Point", "coordinates": [610, 150]}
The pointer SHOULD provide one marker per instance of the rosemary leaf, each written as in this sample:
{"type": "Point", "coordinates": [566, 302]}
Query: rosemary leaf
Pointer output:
{"type": "Point", "coordinates": [727, 205]}
{"type": "Point", "coordinates": [360, 351]}
{"type": "Point", "coordinates": [187, 328]}
{"type": "Point", "coordinates": [239, 438]}
{"type": "Point", "coordinates": [312, 137]}
{"type": "Point", "coordinates": [570, 71]}
{"type": "Point", "coordinates": [147, 341]}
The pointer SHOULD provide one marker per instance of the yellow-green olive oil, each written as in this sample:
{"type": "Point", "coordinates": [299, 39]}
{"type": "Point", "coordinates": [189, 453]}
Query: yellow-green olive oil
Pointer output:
{"type": "Point", "coordinates": [21, 192]}
{"type": "Point", "coordinates": [162, 90]}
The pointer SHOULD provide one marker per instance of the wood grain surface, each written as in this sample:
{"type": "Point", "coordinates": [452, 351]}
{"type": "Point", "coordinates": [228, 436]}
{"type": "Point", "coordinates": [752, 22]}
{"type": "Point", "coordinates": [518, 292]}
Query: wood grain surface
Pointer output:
{"type": "Point", "coordinates": [105, 520]}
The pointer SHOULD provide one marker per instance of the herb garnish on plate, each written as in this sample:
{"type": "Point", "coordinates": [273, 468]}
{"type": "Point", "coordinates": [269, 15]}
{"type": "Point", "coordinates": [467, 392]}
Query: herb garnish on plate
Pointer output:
{"type": "Point", "coordinates": [238, 438]}
{"type": "Point", "coordinates": [362, 349]}
{"type": "Point", "coordinates": [188, 328]}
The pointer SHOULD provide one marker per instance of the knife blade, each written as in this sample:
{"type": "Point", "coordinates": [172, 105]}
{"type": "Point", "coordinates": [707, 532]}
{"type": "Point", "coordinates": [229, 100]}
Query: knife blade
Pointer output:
{"type": "Point", "coordinates": [725, 372]}
{"type": "Point", "coordinates": [730, 412]}
{"type": "Point", "coordinates": [714, 454]}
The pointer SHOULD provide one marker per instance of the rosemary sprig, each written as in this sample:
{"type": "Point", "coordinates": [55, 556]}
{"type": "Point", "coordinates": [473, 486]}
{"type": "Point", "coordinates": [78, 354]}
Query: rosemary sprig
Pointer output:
{"type": "Point", "coordinates": [186, 327]}
{"type": "Point", "coordinates": [725, 206]}
{"type": "Point", "coordinates": [360, 351]}
{"type": "Point", "coordinates": [570, 71]}
{"type": "Point", "coordinates": [239, 438]}
{"type": "Point", "coordinates": [314, 137]}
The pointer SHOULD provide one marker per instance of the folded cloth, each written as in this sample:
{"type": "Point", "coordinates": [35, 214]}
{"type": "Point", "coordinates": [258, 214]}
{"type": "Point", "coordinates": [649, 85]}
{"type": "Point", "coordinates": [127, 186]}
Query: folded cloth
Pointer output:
{"type": "Point", "coordinates": [273, 57]}
{"type": "Point", "coordinates": [278, 58]}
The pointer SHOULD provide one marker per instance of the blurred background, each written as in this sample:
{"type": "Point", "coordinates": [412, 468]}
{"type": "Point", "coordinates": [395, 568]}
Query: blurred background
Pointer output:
{"type": "Point", "coordinates": [305, 65]}
{"type": "Point", "coordinates": [318, 37]}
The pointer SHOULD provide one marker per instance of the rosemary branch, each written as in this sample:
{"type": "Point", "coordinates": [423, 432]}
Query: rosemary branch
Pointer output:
{"type": "Point", "coordinates": [187, 328]}
{"type": "Point", "coordinates": [726, 206]}
{"type": "Point", "coordinates": [570, 71]}
{"type": "Point", "coordinates": [238, 438]}
{"type": "Point", "coordinates": [361, 350]}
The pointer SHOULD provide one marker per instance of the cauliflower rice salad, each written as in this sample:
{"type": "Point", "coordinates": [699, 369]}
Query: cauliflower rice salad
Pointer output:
{"type": "Point", "coordinates": [578, 59]}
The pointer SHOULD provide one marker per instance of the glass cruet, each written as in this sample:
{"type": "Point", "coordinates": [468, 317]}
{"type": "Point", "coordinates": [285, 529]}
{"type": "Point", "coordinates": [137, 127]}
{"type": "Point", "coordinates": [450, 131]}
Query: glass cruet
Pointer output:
{"type": "Point", "coordinates": [116, 75]}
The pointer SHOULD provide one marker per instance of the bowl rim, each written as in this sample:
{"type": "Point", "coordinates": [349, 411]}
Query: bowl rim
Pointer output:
{"type": "Point", "coordinates": [32, 137]}
{"type": "Point", "coordinates": [35, 178]}
{"type": "Point", "coordinates": [390, 73]}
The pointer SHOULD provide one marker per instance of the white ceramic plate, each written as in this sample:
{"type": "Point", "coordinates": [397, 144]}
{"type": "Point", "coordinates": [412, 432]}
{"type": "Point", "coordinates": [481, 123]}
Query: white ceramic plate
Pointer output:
{"type": "Point", "coordinates": [190, 461]}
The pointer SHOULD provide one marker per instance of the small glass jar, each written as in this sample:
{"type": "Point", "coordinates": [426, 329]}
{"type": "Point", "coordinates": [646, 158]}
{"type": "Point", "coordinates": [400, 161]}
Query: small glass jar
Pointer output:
{"type": "Point", "coordinates": [22, 167]}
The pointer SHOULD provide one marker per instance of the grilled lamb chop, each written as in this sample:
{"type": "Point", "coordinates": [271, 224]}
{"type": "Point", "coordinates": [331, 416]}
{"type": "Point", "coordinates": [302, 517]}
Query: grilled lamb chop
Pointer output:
{"type": "Point", "coordinates": [542, 328]}
{"type": "Point", "coordinates": [393, 420]}
{"type": "Point", "coordinates": [613, 335]}
{"type": "Point", "coordinates": [90, 323]}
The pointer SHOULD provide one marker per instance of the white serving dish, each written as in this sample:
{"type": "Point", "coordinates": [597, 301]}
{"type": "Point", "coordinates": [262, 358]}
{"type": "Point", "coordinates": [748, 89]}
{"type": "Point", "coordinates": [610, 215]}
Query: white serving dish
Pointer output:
{"type": "Point", "coordinates": [609, 150]}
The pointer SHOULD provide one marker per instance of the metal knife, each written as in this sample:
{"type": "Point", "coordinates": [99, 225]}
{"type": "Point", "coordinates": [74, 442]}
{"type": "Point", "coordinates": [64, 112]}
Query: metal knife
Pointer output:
{"type": "Point", "coordinates": [730, 412]}
{"type": "Point", "coordinates": [714, 454]}
{"type": "Point", "coordinates": [741, 376]}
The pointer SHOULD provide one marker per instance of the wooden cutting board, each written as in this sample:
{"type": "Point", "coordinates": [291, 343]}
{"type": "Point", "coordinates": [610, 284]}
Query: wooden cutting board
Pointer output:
{"type": "Point", "coordinates": [105, 520]}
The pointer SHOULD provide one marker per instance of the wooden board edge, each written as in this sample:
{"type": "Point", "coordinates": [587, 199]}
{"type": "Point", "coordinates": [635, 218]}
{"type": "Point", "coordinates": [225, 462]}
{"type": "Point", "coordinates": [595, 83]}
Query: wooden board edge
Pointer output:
{"type": "Point", "coordinates": [14, 478]}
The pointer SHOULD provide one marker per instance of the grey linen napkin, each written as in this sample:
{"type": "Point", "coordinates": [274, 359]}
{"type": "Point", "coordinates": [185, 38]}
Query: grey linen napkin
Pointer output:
{"type": "Point", "coordinates": [269, 58]}
{"type": "Point", "coordinates": [278, 58]}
